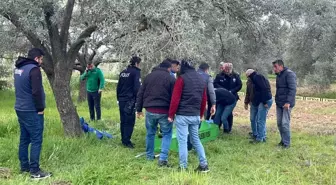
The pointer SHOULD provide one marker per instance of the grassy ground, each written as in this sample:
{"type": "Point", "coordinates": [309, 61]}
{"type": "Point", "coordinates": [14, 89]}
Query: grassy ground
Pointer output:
{"type": "Point", "coordinates": [232, 160]}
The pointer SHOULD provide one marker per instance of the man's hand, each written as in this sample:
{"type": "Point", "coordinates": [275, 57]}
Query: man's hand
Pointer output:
{"type": "Point", "coordinates": [171, 120]}
{"type": "Point", "coordinates": [40, 113]}
{"type": "Point", "coordinates": [286, 106]}
{"type": "Point", "coordinates": [213, 110]}
{"type": "Point", "coordinates": [100, 91]}
{"type": "Point", "coordinates": [246, 106]}
{"type": "Point", "coordinates": [139, 115]}
{"type": "Point", "coordinates": [265, 105]}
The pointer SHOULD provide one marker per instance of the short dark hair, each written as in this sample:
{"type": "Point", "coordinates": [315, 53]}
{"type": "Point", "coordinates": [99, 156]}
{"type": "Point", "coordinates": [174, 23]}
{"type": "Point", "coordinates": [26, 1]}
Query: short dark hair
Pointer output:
{"type": "Point", "coordinates": [204, 66]}
{"type": "Point", "coordinates": [175, 62]}
{"type": "Point", "coordinates": [279, 62]}
{"type": "Point", "coordinates": [135, 60]}
{"type": "Point", "coordinates": [165, 64]}
{"type": "Point", "coordinates": [35, 52]}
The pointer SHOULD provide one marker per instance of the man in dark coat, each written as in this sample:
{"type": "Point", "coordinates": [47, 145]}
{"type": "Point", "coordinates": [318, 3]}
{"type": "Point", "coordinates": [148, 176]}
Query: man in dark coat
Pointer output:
{"type": "Point", "coordinates": [263, 100]}
{"type": "Point", "coordinates": [29, 107]}
{"type": "Point", "coordinates": [230, 81]}
{"type": "Point", "coordinates": [284, 99]}
{"type": "Point", "coordinates": [155, 96]}
{"type": "Point", "coordinates": [127, 90]}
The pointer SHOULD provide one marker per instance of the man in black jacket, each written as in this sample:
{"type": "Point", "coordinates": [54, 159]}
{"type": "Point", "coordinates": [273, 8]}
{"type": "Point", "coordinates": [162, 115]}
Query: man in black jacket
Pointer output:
{"type": "Point", "coordinates": [284, 99]}
{"type": "Point", "coordinates": [230, 81]}
{"type": "Point", "coordinates": [29, 107]}
{"type": "Point", "coordinates": [263, 100]}
{"type": "Point", "coordinates": [155, 95]}
{"type": "Point", "coordinates": [127, 89]}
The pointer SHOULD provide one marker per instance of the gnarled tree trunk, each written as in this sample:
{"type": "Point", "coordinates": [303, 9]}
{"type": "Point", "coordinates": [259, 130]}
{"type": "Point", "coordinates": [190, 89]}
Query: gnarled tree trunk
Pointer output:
{"type": "Point", "coordinates": [60, 85]}
{"type": "Point", "coordinates": [82, 90]}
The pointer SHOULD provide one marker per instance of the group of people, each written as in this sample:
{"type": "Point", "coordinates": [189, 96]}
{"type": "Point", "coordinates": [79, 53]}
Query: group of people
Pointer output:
{"type": "Point", "coordinates": [174, 93]}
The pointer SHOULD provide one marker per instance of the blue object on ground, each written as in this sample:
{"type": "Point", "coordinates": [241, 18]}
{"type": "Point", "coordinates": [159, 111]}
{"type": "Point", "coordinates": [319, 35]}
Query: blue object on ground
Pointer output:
{"type": "Point", "coordinates": [87, 129]}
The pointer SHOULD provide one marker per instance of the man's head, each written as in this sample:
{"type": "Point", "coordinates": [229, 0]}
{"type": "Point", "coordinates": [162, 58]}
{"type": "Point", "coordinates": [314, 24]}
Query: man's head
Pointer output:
{"type": "Point", "coordinates": [175, 66]}
{"type": "Point", "coordinates": [204, 67]}
{"type": "Point", "coordinates": [135, 61]}
{"type": "Point", "coordinates": [186, 65]}
{"type": "Point", "coordinates": [90, 66]}
{"type": "Point", "coordinates": [249, 72]}
{"type": "Point", "coordinates": [166, 64]}
{"type": "Point", "coordinates": [36, 54]}
{"type": "Point", "coordinates": [226, 68]}
{"type": "Point", "coordinates": [278, 66]}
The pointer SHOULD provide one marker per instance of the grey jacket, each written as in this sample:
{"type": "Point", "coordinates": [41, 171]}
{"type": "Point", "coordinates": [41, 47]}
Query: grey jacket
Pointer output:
{"type": "Point", "coordinates": [210, 86]}
{"type": "Point", "coordinates": [285, 88]}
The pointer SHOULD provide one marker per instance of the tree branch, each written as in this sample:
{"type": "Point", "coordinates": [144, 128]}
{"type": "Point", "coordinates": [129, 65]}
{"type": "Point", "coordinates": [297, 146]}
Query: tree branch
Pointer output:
{"type": "Point", "coordinates": [34, 40]}
{"type": "Point", "coordinates": [66, 22]}
{"type": "Point", "coordinates": [75, 47]}
{"type": "Point", "coordinates": [52, 27]}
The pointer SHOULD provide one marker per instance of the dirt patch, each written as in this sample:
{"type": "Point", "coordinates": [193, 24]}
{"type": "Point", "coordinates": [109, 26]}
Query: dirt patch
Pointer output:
{"type": "Point", "coordinates": [5, 173]}
{"type": "Point", "coordinates": [307, 116]}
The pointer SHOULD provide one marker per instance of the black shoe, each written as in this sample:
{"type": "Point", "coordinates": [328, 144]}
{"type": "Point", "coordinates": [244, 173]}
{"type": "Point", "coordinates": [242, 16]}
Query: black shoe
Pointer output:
{"type": "Point", "coordinates": [40, 175]}
{"type": "Point", "coordinates": [24, 171]}
{"type": "Point", "coordinates": [182, 169]}
{"type": "Point", "coordinates": [227, 132]}
{"type": "Point", "coordinates": [285, 146]}
{"type": "Point", "coordinates": [129, 145]}
{"type": "Point", "coordinates": [201, 169]}
{"type": "Point", "coordinates": [250, 134]}
{"type": "Point", "coordinates": [164, 164]}
{"type": "Point", "coordinates": [254, 141]}
{"type": "Point", "coordinates": [280, 144]}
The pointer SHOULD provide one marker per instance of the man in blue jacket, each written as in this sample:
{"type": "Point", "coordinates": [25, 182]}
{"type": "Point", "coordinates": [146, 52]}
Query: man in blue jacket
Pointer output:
{"type": "Point", "coordinates": [127, 90]}
{"type": "Point", "coordinates": [29, 107]}
{"type": "Point", "coordinates": [284, 99]}
{"type": "Point", "coordinates": [262, 100]}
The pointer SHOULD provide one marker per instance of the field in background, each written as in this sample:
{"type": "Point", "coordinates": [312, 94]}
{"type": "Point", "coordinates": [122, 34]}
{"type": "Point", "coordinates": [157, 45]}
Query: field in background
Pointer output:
{"type": "Point", "coordinates": [232, 160]}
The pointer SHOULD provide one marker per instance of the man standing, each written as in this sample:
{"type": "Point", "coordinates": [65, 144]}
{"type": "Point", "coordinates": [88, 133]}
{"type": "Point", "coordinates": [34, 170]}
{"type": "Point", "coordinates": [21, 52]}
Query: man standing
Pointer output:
{"type": "Point", "coordinates": [229, 80]}
{"type": "Point", "coordinates": [188, 103]}
{"type": "Point", "coordinates": [95, 83]}
{"type": "Point", "coordinates": [249, 96]}
{"type": "Point", "coordinates": [155, 95]}
{"type": "Point", "coordinates": [284, 99]}
{"type": "Point", "coordinates": [211, 96]}
{"type": "Point", "coordinates": [127, 90]}
{"type": "Point", "coordinates": [29, 106]}
{"type": "Point", "coordinates": [262, 100]}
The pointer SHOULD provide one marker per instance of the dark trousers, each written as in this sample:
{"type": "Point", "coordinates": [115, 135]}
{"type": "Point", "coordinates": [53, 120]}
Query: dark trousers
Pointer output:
{"type": "Point", "coordinates": [127, 122]}
{"type": "Point", "coordinates": [94, 102]}
{"type": "Point", "coordinates": [31, 132]}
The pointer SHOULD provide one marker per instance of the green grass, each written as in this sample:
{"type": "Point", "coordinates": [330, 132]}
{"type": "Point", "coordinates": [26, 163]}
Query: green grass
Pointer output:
{"type": "Point", "coordinates": [232, 160]}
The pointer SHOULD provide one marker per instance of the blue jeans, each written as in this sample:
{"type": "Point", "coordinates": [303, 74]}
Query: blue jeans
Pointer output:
{"type": "Point", "coordinates": [253, 119]}
{"type": "Point", "coordinates": [152, 121]}
{"type": "Point", "coordinates": [222, 114]}
{"type": "Point", "coordinates": [31, 132]}
{"type": "Point", "coordinates": [185, 124]}
{"type": "Point", "coordinates": [283, 121]}
{"type": "Point", "coordinates": [261, 120]}
{"type": "Point", "coordinates": [94, 103]}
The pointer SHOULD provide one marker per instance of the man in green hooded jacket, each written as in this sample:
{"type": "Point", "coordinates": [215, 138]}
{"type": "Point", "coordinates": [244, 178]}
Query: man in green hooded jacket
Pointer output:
{"type": "Point", "coordinates": [95, 83]}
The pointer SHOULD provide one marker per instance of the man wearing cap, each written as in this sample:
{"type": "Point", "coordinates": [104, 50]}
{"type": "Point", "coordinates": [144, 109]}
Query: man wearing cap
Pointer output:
{"type": "Point", "coordinates": [155, 96]}
{"type": "Point", "coordinates": [263, 100]}
{"type": "Point", "coordinates": [127, 89]}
